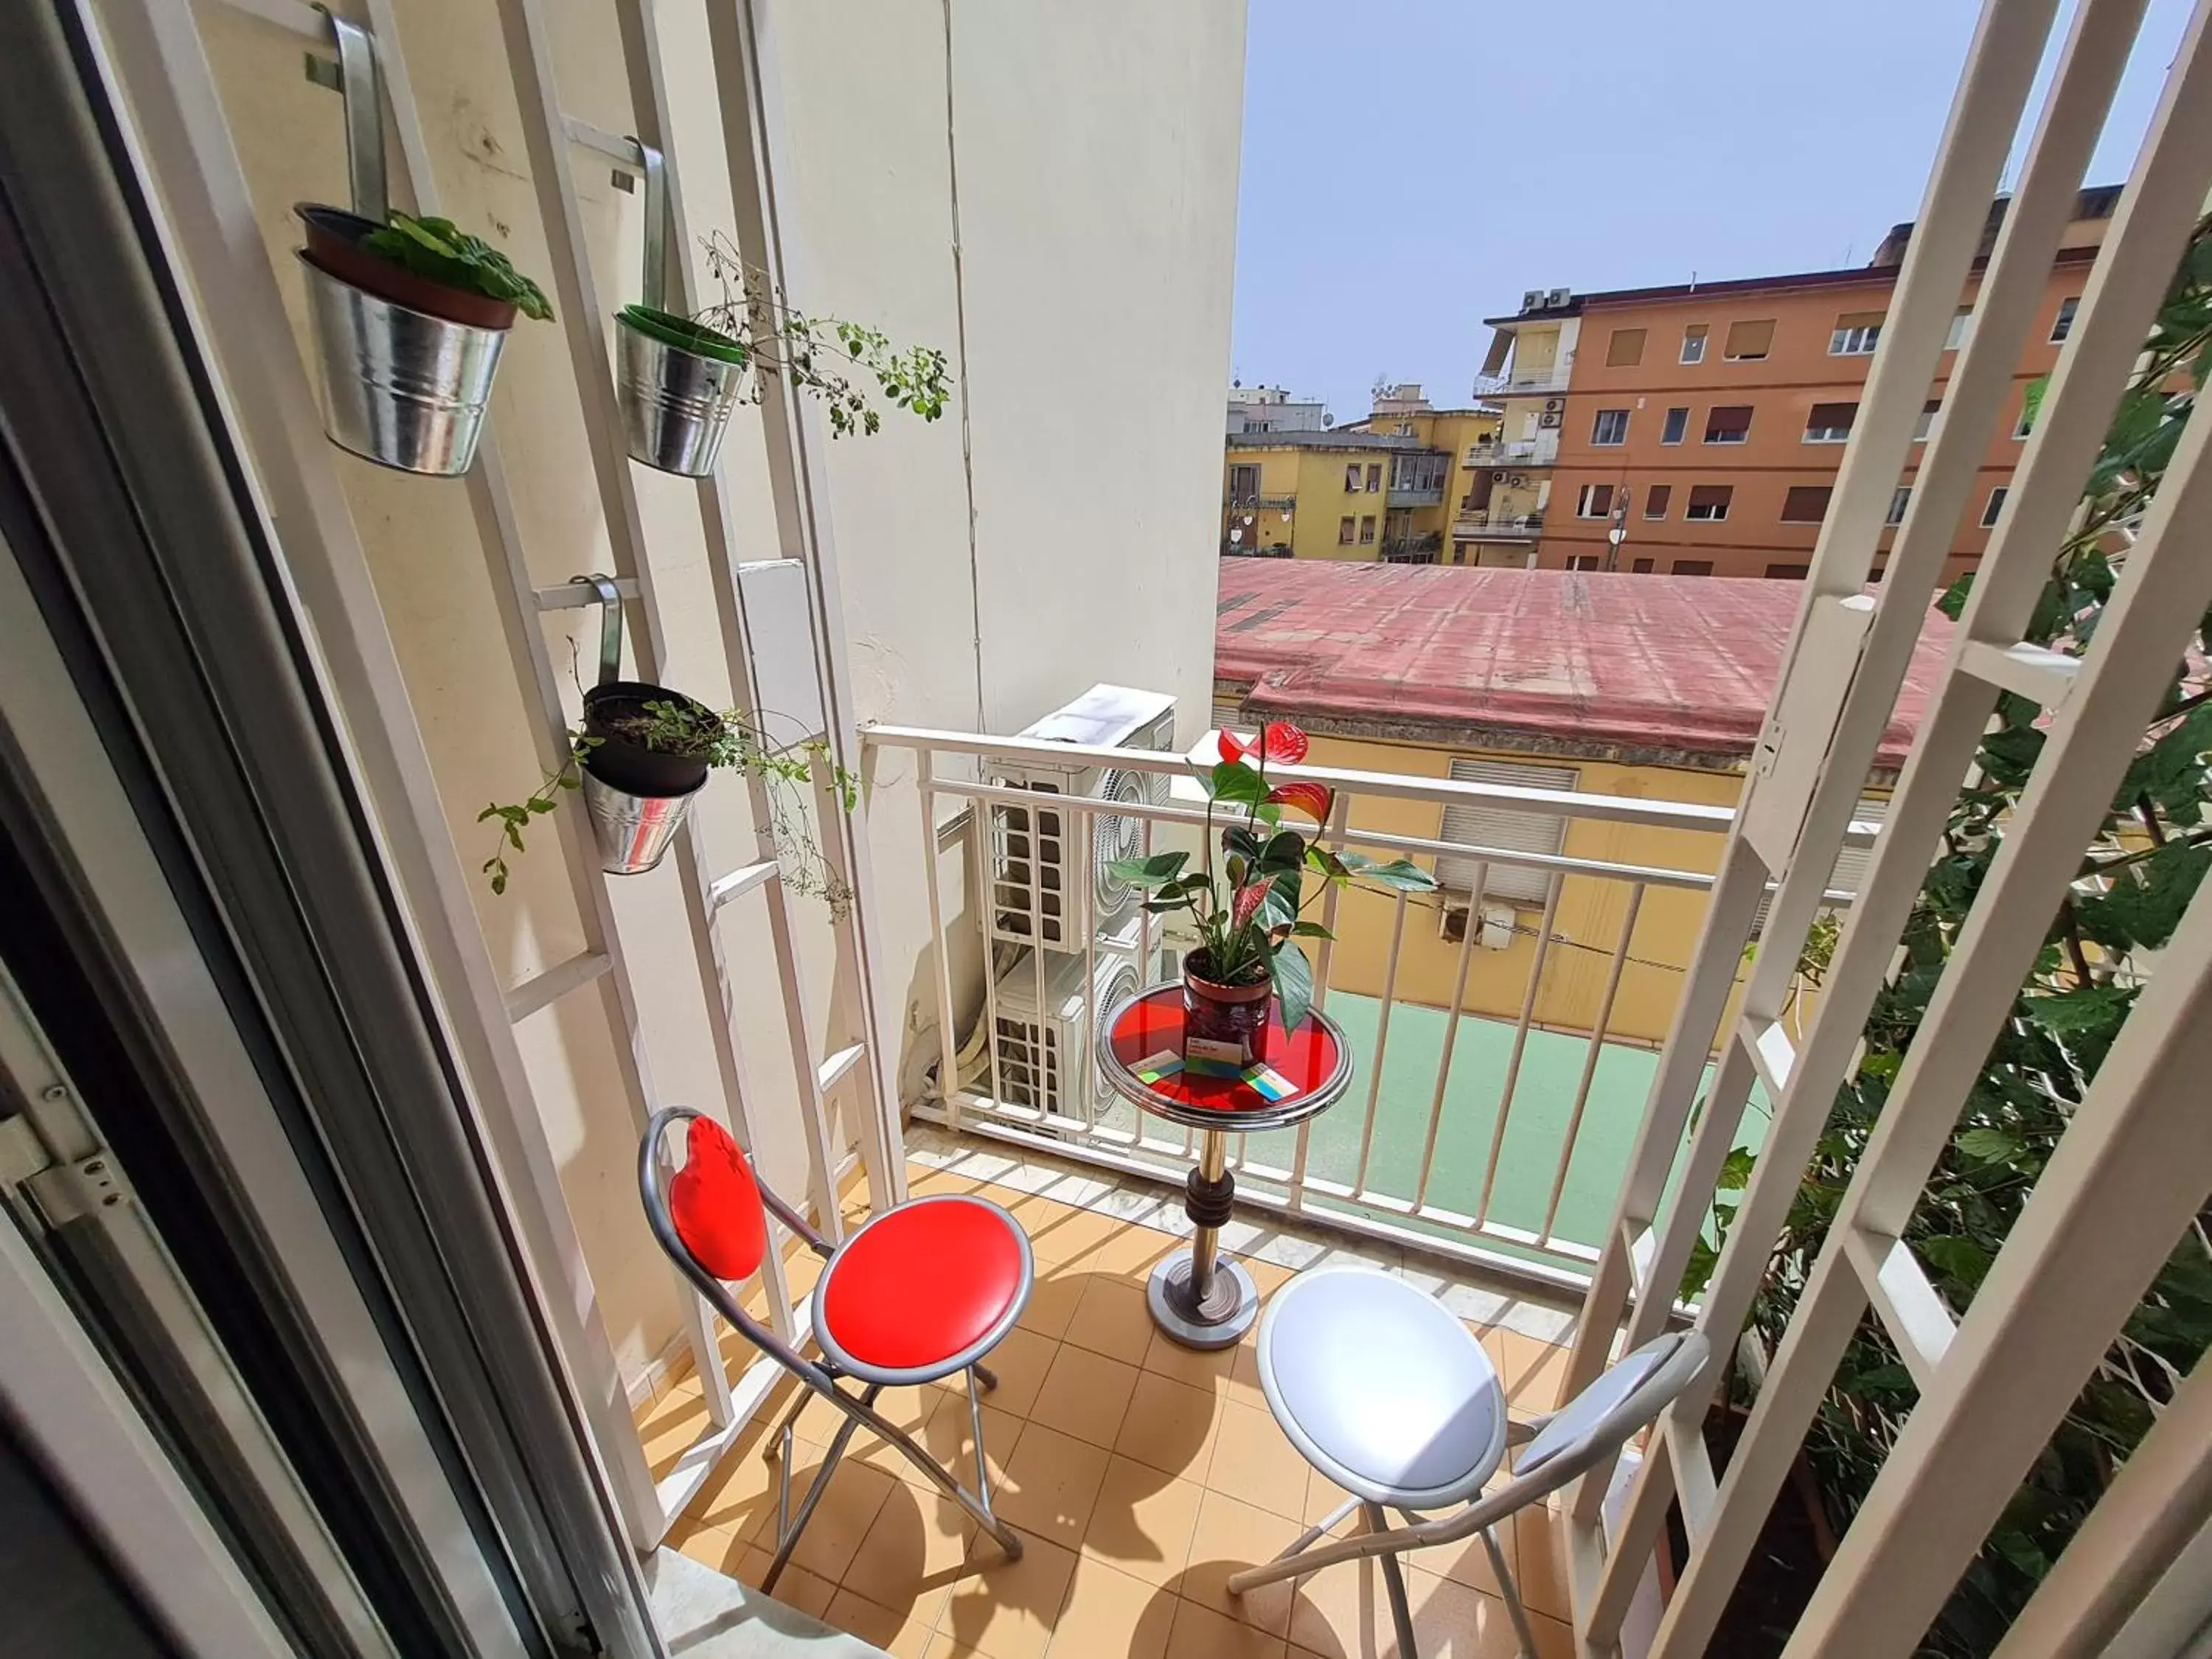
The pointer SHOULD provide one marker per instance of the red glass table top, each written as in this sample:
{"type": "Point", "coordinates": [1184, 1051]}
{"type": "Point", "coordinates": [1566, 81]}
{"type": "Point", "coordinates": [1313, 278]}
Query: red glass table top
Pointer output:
{"type": "Point", "coordinates": [1313, 1060]}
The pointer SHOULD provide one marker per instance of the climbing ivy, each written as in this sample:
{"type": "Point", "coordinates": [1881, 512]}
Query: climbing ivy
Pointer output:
{"type": "Point", "coordinates": [2135, 881]}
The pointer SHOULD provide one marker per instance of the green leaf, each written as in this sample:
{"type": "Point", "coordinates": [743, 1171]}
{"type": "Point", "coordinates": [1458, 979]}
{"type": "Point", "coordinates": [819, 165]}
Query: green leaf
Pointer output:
{"type": "Point", "coordinates": [1311, 930]}
{"type": "Point", "coordinates": [1293, 978]}
{"type": "Point", "coordinates": [1236, 782]}
{"type": "Point", "coordinates": [1988, 1145]}
{"type": "Point", "coordinates": [1400, 874]}
{"type": "Point", "coordinates": [1961, 1259]}
{"type": "Point", "coordinates": [1158, 871]}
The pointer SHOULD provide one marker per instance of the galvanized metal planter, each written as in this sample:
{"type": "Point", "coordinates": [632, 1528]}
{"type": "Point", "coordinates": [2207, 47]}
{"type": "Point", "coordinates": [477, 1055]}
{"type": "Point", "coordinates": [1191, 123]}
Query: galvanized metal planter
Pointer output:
{"type": "Point", "coordinates": [637, 798]}
{"type": "Point", "coordinates": [399, 385]}
{"type": "Point", "coordinates": [633, 832]}
{"type": "Point", "coordinates": [675, 402]}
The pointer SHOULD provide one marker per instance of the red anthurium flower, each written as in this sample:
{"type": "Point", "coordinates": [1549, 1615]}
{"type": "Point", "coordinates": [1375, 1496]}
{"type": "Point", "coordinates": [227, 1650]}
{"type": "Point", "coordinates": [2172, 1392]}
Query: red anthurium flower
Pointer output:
{"type": "Point", "coordinates": [1282, 741]}
{"type": "Point", "coordinates": [1232, 748]}
{"type": "Point", "coordinates": [1313, 800]}
{"type": "Point", "coordinates": [1248, 901]}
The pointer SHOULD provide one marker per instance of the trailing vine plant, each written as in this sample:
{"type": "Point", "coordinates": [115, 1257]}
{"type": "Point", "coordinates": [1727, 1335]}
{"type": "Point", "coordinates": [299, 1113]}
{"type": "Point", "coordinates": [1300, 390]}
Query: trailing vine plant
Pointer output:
{"type": "Point", "coordinates": [2133, 883]}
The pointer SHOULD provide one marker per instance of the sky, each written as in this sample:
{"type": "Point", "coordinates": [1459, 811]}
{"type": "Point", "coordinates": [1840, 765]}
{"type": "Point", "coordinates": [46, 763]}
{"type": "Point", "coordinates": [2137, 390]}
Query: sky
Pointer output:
{"type": "Point", "coordinates": [1411, 166]}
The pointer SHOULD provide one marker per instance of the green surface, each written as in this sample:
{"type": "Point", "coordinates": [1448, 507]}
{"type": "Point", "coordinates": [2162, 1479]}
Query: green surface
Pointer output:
{"type": "Point", "coordinates": [1536, 1128]}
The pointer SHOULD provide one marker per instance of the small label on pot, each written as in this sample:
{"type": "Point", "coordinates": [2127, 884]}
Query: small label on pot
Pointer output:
{"type": "Point", "coordinates": [1206, 1051]}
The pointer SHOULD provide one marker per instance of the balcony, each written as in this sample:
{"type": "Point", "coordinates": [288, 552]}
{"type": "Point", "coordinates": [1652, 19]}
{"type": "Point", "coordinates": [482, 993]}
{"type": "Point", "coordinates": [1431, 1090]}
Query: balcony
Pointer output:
{"type": "Point", "coordinates": [1486, 525]}
{"type": "Point", "coordinates": [1259, 503]}
{"type": "Point", "coordinates": [1534, 382]}
{"type": "Point", "coordinates": [1412, 549]}
{"type": "Point", "coordinates": [1543, 450]}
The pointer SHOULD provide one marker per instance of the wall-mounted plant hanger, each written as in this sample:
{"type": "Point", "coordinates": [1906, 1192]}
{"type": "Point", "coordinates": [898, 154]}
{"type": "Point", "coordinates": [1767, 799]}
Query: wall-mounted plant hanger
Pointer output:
{"type": "Point", "coordinates": [409, 314]}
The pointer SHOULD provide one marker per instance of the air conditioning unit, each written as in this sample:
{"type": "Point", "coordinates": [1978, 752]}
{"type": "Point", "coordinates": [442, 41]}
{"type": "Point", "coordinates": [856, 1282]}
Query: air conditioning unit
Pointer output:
{"type": "Point", "coordinates": [1550, 418]}
{"type": "Point", "coordinates": [1045, 1060]}
{"type": "Point", "coordinates": [1045, 891]}
{"type": "Point", "coordinates": [1555, 405]}
{"type": "Point", "coordinates": [1532, 300]}
{"type": "Point", "coordinates": [1557, 297]}
{"type": "Point", "coordinates": [1494, 930]}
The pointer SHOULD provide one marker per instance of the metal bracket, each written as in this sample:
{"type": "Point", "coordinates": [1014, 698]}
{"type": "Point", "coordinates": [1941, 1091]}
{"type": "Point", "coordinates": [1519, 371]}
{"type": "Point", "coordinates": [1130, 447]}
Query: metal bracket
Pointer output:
{"type": "Point", "coordinates": [610, 622]}
{"type": "Point", "coordinates": [22, 1153]}
{"type": "Point", "coordinates": [68, 1192]}
{"type": "Point", "coordinates": [656, 226]}
{"type": "Point", "coordinates": [363, 86]}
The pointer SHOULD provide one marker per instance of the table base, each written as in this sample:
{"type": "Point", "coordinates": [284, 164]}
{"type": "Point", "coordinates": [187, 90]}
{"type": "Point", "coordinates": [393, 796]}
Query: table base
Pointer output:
{"type": "Point", "coordinates": [1232, 1304]}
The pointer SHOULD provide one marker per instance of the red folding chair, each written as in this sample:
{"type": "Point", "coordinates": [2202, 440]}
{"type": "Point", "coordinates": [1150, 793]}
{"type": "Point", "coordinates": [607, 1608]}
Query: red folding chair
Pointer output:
{"type": "Point", "coordinates": [916, 1294]}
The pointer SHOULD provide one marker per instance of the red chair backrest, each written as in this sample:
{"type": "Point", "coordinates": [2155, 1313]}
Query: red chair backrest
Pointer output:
{"type": "Point", "coordinates": [715, 1205]}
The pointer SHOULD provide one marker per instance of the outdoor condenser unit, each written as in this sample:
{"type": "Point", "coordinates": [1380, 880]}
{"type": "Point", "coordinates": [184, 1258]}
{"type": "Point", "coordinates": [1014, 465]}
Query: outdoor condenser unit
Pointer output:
{"type": "Point", "coordinates": [1049, 883]}
{"type": "Point", "coordinates": [1044, 1056]}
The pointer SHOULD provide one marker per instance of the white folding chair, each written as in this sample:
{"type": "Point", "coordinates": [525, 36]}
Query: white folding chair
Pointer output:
{"type": "Point", "coordinates": [1385, 1392]}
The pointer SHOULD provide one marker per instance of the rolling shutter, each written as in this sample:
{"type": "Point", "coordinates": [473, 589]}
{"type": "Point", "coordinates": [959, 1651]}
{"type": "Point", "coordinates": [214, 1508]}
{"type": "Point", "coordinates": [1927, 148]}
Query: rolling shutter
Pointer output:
{"type": "Point", "coordinates": [1851, 863]}
{"type": "Point", "coordinates": [1517, 832]}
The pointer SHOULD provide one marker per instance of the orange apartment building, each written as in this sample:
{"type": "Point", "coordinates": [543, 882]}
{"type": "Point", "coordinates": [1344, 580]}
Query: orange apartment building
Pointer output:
{"type": "Point", "coordinates": [1705, 423]}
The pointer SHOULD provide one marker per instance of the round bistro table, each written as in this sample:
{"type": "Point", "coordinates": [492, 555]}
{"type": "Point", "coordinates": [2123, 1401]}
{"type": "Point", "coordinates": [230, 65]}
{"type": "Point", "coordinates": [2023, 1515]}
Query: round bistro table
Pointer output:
{"type": "Point", "coordinates": [1197, 1298]}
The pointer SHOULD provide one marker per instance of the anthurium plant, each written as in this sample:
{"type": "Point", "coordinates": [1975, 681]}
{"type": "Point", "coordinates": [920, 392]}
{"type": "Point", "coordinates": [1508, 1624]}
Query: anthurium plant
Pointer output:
{"type": "Point", "coordinates": [1249, 897]}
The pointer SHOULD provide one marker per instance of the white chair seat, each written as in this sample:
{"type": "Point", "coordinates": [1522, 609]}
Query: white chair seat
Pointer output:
{"type": "Point", "coordinates": [1381, 1388]}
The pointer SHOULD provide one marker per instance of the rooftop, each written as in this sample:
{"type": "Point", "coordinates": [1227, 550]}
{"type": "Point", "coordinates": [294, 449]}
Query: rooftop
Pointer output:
{"type": "Point", "coordinates": [1339, 438]}
{"type": "Point", "coordinates": [1660, 670]}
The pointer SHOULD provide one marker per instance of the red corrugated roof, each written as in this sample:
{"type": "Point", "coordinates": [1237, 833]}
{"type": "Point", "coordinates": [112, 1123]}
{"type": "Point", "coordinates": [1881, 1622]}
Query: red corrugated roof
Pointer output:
{"type": "Point", "coordinates": [1659, 665]}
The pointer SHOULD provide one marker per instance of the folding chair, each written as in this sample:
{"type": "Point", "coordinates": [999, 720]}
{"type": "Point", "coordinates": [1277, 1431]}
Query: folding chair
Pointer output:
{"type": "Point", "coordinates": [916, 1294]}
{"type": "Point", "coordinates": [1385, 1392]}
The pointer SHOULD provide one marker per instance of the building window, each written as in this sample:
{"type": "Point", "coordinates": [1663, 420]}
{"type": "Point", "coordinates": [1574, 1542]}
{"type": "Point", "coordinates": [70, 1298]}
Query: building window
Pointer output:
{"type": "Point", "coordinates": [1625, 350]}
{"type": "Point", "coordinates": [1344, 526]}
{"type": "Point", "coordinates": [1710, 502]}
{"type": "Point", "coordinates": [1995, 506]}
{"type": "Point", "coordinates": [1583, 561]}
{"type": "Point", "coordinates": [1474, 825]}
{"type": "Point", "coordinates": [2063, 324]}
{"type": "Point", "coordinates": [1899, 499]}
{"type": "Point", "coordinates": [1611, 427]}
{"type": "Point", "coordinates": [1692, 568]}
{"type": "Point", "coordinates": [1352, 478]}
{"type": "Point", "coordinates": [1374, 476]}
{"type": "Point", "coordinates": [1228, 709]}
{"type": "Point", "coordinates": [1594, 502]}
{"type": "Point", "coordinates": [1728, 423]}
{"type": "Point", "coordinates": [1855, 334]}
{"type": "Point", "coordinates": [1693, 344]}
{"type": "Point", "coordinates": [1655, 500]}
{"type": "Point", "coordinates": [1244, 482]}
{"type": "Point", "coordinates": [1787, 572]}
{"type": "Point", "coordinates": [1640, 568]}
{"type": "Point", "coordinates": [1830, 423]}
{"type": "Point", "coordinates": [2024, 425]}
{"type": "Point", "coordinates": [1366, 529]}
{"type": "Point", "coordinates": [1805, 504]}
{"type": "Point", "coordinates": [1748, 342]}
{"type": "Point", "coordinates": [1677, 423]}
{"type": "Point", "coordinates": [1962, 320]}
{"type": "Point", "coordinates": [1926, 424]}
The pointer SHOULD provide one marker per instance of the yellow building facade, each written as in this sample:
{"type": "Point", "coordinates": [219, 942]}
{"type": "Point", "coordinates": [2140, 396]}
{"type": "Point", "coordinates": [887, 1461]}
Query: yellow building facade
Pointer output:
{"type": "Point", "coordinates": [1384, 489]}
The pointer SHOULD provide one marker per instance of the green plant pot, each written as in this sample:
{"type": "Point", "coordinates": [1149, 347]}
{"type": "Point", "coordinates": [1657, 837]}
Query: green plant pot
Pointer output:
{"type": "Point", "coordinates": [683, 334]}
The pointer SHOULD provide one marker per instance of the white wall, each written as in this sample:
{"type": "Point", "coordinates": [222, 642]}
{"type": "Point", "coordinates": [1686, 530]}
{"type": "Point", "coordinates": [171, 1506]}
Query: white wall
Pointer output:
{"type": "Point", "coordinates": [1096, 155]}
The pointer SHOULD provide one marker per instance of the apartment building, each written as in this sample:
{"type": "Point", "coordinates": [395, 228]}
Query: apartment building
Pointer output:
{"type": "Point", "coordinates": [1382, 489]}
{"type": "Point", "coordinates": [1697, 429]}
{"type": "Point", "coordinates": [1273, 409]}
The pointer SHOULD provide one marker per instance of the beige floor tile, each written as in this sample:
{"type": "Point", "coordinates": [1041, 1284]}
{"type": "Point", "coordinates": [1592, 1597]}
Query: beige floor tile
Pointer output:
{"type": "Point", "coordinates": [922, 1183]}
{"type": "Point", "coordinates": [1532, 1372]}
{"type": "Point", "coordinates": [795, 1587]}
{"type": "Point", "coordinates": [1341, 1613]}
{"type": "Point", "coordinates": [1142, 1523]}
{"type": "Point", "coordinates": [1229, 1537]}
{"type": "Point", "coordinates": [1253, 1461]}
{"type": "Point", "coordinates": [1132, 1252]}
{"type": "Point", "coordinates": [849, 1506]}
{"type": "Point", "coordinates": [902, 1638]}
{"type": "Point", "coordinates": [1085, 1394]}
{"type": "Point", "coordinates": [1201, 1633]}
{"type": "Point", "coordinates": [1110, 1615]}
{"type": "Point", "coordinates": [1113, 1318]}
{"type": "Point", "coordinates": [1467, 1562]}
{"type": "Point", "coordinates": [915, 1551]}
{"type": "Point", "coordinates": [1052, 1485]}
{"type": "Point", "coordinates": [1452, 1618]}
{"type": "Point", "coordinates": [1007, 1610]}
{"type": "Point", "coordinates": [1059, 1233]}
{"type": "Point", "coordinates": [671, 1424]}
{"type": "Point", "coordinates": [1323, 1495]}
{"type": "Point", "coordinates": [1243, 1386]}
{"type": "Point", "coordinates": [1201, 1368]}
{"type": "Point", "coordinates": [1268, 1276]}
{"type": "Point", "coordinates": [741, 1494]}
{"type": "Point", "coordinates": [910, 1409]}
{"type": "Point", "coordinates": [712, 1547]}
{"type": "Point", "coordinates": [1019, 1362]}
{"type": "Point", "coordinates": [1540, 1562]}
{"type": "Point", "coordinates": [942, 1646]}
{"type": "Point", "coordinates": [1170, 1427]}
{"type": "Point", "coordinates": [1053, 1296]}
{"type": "Point", "coordinates": [951, 1439]}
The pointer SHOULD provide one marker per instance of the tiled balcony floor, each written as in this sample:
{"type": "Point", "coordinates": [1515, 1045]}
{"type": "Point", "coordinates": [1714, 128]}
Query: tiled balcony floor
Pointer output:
{"type": "Point", "coordinates": [1141, 1473]}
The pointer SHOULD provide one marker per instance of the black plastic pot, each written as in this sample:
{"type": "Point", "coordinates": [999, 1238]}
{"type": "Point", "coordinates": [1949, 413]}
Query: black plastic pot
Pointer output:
{"type": "Point", "coordinates": [630, 766]}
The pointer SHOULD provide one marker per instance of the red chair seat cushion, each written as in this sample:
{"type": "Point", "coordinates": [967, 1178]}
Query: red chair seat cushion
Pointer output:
{"type": "Point", "coordinates": [715, 1205]}
{"type": "Point", "coordinates": [923, 1283]}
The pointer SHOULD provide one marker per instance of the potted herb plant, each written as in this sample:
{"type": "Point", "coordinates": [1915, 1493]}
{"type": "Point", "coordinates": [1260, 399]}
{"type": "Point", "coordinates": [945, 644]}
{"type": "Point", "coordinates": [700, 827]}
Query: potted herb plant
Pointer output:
{"type": "Point", "coordinates": [1248, 912]}
{"type": "Point", "coordinates": [409, 315]}
{"type": "Point", "coordinates": [679, 377]}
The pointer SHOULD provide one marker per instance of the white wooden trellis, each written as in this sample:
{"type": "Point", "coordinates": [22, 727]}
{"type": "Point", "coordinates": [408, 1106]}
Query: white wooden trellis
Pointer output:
{"type": "Point", "coordinates": [2138, 1161]}
{"type": "Point", "coordinates": [183, 145]}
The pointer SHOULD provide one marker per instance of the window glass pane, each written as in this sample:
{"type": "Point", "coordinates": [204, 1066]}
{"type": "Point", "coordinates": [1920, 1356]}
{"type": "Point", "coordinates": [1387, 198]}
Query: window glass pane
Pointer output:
{"type": "Point", "coordinates": [1610, 426]}
{"type": "Point", "coordinates": [1693, 344]}
{"type": "Point", "coordinates": [2064, 324]}
{"type": "Point", "coordinates": [1678, 423]}
{"type": "Point", "coordinates": [1693, 568]}
{"type": "Point", "coordinates": [1897, 501]}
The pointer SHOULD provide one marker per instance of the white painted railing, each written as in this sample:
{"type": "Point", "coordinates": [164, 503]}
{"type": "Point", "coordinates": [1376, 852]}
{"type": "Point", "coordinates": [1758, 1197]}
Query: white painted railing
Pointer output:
{"type": "Point", "coordinates": [1353, 1168]}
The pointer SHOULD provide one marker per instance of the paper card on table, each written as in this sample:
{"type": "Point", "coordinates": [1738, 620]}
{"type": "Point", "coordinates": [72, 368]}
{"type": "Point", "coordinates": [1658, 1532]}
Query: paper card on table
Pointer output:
{"type": "Point", "coordinates": [1227, 1054]}
{"type": "Point", "coordinates": [1267, 1080]}
{"type": "Point", "coordinates": [1153, 1067]}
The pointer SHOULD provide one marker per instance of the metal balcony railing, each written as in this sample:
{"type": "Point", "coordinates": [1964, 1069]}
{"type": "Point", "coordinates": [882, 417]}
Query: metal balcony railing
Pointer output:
{"type": "Point", "coordinates": [1494, 525]}
{"type": "Point", "coordinates": [1412, 549]}
{"type": "Point", "coordinates": [1541, 451]}
{"type": "Point", "coordinates": [1259, 503]}
{"type": "Point", "coordinates": [1466, 1156]}
{"type": "Point", "coordinates": [1514, 383]}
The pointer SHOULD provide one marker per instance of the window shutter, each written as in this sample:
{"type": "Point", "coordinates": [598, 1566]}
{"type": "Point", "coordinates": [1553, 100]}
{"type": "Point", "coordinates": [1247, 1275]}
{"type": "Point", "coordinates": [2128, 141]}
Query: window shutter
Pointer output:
{"type": "Point", "coordinates": [1749, 340]}
{"type": "Point", "coordinates": [1228, 711]}
{"type": "Point", "coordinates": [1625, 350]}
{"type": "Point", "coordinates": [1832, 417]}
{"type": "Point", "coordinates": [1513, 832]}
{"type": "Point", "coordinates": [1805, 504]}
{"type": "Point", "coordinates": [1655, 502]}
{"type": "Point", "coordinates": [1850, 871]}
{"type": "Point", "coordinates": [1861, 320]}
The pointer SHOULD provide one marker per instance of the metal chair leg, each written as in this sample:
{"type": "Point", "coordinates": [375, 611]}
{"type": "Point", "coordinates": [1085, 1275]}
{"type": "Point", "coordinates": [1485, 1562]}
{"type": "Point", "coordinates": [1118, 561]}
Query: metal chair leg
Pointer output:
{"type": "Point", "coordinates": [1518, 1614]}
{"type": "Point", "coordinates": [788, 1540]}
{"type": "Point", "coordinates": [1315, 1533]}
{"type": "Point", "coordinates": [989, 1377]}
{"type": "Point", "coordinates": [975, 1426]}
{"type": "Point", "coordinates": [1393, 1585]}
{"type": "Point", "coordinates": [779, 1437]}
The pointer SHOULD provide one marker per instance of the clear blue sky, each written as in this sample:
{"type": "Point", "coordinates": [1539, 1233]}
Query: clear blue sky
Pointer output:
{"type": "Point", "coordinates": [1410, 167]}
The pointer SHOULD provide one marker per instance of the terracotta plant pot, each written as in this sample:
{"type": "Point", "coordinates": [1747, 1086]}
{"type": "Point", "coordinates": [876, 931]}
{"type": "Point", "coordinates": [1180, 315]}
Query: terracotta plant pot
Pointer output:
{"type": "Point", "coordinates": [334, 246]}
{"type": "Point", "coordinates": [620, 760]}
{"type": "Point", "coordinates": [1214, 1012]}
